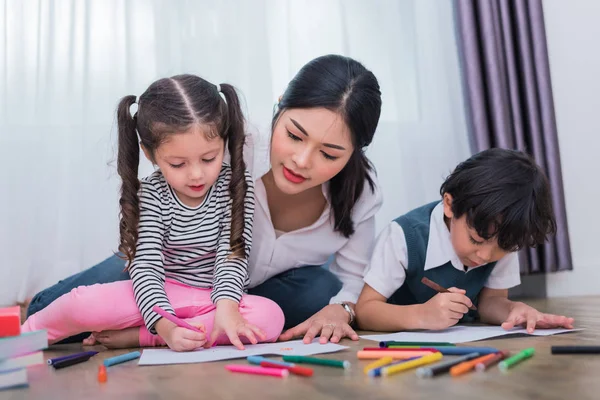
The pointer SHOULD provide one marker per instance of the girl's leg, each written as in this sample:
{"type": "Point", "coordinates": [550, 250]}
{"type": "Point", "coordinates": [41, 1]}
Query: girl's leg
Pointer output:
{"type": "Point", "coordinates": [110, 270]}
{"type": "Point", "coordinates": [88, 308]}
{"type": "Point", "coordinates": [195, 307]}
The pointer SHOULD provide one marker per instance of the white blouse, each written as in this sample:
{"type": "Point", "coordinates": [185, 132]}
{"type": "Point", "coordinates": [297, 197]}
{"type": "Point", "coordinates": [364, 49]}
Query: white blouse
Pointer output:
{"type": "Point", "coordinates": [273, 254]}
{"type": "Point", "coordinates": [314, 244]}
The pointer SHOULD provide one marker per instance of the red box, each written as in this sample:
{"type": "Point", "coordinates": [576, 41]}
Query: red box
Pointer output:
{"type": "Point", "coordinates": [10, 321]}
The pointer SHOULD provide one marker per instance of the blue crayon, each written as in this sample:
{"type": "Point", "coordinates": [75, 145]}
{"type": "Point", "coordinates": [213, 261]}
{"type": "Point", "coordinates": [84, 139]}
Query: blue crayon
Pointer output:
{"type": "Point", "coordinates": [85, 353]}
{"type": "Point", "coordinates": [460, 351]}
{"type": "Point", "coordinates": [258, 359]}
{"type": "Point", "coordinates": [122, 358]}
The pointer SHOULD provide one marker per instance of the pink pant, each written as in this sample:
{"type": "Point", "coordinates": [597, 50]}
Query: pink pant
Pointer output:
{"type": "Point", "coordinates": [112, 306]}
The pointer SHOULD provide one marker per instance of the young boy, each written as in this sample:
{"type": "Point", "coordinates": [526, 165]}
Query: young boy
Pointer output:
{"type": "Point", "coordinates": [494, 204]}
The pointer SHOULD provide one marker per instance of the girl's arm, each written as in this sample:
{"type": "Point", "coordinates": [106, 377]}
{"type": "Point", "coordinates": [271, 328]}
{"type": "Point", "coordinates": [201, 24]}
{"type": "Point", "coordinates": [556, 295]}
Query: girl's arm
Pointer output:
{"type": "Point", "coordinates": [146, 270]}
{"type": "Point", "coordinates": [231, 278]}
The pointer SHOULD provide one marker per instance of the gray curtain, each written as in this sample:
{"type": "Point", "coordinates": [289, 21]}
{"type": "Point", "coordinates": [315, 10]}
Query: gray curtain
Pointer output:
{"type": "Point", "coordinates": [506, 76]}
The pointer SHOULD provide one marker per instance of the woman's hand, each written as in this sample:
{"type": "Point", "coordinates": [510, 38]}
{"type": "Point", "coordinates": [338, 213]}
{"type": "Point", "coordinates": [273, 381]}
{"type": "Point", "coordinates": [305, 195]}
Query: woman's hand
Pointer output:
{"type": "Point", "coordinates": [331, 323]}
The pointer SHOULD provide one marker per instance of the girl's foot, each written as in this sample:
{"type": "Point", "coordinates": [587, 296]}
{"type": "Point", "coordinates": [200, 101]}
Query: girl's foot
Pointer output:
{"type": "Point", "coordinates": [121, 339]}
{"type": "Point", "coordinates": [90, 340]}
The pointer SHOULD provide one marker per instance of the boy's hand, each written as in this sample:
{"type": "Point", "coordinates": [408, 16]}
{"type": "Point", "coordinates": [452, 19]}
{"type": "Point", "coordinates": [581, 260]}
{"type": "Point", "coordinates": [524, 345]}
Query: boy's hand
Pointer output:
{"type": "Point", "coordinates": [445, 309]}
{"type": "Point", "coordinates": [179, 339]}
{"type": "Point", "coordinates": [522, 314]}
{"type": "Point", "coordinates": [228, 320]}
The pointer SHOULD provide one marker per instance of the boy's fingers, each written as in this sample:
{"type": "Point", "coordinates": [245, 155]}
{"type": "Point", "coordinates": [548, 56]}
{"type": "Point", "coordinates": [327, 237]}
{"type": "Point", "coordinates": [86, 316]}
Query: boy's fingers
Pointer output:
{"type": "Point", "coordinates": [462, 299]}
{"type": "Point", "coordinates": [531, 321]}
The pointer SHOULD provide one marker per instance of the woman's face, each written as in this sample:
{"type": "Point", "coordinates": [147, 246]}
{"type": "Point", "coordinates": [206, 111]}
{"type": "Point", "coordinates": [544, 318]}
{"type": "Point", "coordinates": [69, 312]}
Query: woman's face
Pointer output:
{"type": "Point", "coordinates": [309, 146]}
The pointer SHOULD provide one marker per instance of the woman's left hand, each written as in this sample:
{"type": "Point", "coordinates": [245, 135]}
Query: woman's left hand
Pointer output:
{"type": "Point", "coordinates": [331, 323]}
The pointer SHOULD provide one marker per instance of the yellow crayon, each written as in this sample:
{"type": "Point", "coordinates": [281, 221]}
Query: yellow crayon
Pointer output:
{"type": "Point", "coordinates": [431, 358]}
{"type": "Point", "coordinates": [379, 363]}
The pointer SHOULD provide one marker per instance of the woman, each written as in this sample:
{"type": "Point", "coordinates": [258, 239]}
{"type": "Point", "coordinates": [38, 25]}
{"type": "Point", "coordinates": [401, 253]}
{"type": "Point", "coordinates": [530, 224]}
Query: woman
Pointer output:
{"type": "Point", "coordinates": [318, 200]}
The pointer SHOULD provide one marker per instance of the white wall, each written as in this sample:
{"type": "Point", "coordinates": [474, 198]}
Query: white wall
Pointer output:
{"type": "Point", "coordinates": [572, 29]}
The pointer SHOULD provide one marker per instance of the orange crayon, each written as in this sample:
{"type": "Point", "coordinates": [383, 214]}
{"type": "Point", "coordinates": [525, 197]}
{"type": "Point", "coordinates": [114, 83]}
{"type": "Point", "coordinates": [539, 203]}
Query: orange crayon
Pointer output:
{"type": "Point", "coordinates": [102, 374]}
{"type": "Point", "coordinates": [469, 365]}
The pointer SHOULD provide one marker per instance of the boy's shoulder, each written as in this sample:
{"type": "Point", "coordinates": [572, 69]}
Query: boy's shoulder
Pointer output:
{"type": "Point", "coordinates": [418, 216]}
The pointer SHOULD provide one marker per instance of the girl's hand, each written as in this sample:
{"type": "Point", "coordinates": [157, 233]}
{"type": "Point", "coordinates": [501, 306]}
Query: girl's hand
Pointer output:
{"type": "Point", "coordinates": [522, 314]}
{"type": "Point", "coordinates": [179, 339]}
{"type": "Point", "coordinates": [228, 320]}
{"type": "Point", "coordinates": [331, 323]}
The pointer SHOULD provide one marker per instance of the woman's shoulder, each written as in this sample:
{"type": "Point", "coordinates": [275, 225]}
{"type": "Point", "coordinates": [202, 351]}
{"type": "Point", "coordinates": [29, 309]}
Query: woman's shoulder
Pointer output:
{"type": "Point", "coordinates": [371, 198]}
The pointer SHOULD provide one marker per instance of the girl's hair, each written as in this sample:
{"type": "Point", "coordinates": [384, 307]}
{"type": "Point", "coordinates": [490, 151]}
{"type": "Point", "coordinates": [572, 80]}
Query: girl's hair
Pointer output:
{"type": "Point", "coordinates": [504, 194]}
{"type": "Point", "coordinates": [170, 106]}
{"type": "Point", "coordinates": [342, 85]}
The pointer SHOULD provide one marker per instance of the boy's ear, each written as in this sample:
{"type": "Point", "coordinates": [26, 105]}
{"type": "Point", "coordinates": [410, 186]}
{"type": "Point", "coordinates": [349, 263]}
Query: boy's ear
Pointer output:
{"type": "Point", "coordinates": [447, 200]}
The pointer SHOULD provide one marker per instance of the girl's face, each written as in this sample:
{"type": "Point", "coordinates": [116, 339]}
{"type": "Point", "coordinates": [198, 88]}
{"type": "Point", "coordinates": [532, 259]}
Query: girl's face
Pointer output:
{"type": "Point", "coordinates": [190, 163]}
{"type": "Point", "coordinates": [309, 146]}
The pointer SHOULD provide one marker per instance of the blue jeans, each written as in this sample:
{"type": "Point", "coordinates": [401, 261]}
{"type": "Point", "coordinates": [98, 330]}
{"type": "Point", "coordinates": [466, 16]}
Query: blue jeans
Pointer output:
{"type": "Point", "coordinates": [299, 292]}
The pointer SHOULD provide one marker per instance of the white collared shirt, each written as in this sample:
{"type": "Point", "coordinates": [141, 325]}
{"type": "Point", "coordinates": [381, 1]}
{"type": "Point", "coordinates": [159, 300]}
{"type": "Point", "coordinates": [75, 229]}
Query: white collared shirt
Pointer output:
{"type": "Point", "coordinates": [313, 245]}
{"type": "Point", "coordinates": [386, 271]}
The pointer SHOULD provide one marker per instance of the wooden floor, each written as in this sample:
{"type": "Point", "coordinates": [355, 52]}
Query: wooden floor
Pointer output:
{"type": "Point", "coordinates": [542, 377]}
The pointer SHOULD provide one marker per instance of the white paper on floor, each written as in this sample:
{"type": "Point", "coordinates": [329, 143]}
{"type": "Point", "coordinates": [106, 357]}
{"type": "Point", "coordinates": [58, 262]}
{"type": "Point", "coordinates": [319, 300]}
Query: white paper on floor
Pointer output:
{"type": "Point", "coordinates": [461, 334]}
{"type": "Point", "coordinates": [296, 348]}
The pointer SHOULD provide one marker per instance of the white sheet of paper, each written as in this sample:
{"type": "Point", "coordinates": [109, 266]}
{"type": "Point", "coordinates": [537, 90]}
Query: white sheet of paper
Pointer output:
{"type": "Point", "coordinates": [296, 348]}
{"type": "Point", "coordinates": [461, 334]}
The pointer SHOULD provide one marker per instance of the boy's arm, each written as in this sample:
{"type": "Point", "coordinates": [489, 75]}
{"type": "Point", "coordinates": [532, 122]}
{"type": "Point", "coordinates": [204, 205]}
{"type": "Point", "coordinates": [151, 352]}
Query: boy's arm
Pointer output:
{"type": "Point", "coordinates": [495, 308]}
{"type": "Point", "coordinates": [373, 313]}
{"type": "Point", "coordinates": [384, 275]}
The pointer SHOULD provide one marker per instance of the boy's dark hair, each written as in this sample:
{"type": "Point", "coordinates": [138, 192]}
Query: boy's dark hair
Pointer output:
{"type": "Point", "coordinates": [168, 106]}
{"type": "Point", "coordinates": [503, 194]}
{"type": "Point", "coordinates": [344, 86]}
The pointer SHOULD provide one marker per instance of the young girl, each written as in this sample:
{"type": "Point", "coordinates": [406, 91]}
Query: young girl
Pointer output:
{"type": "Point", "coordinates": [317, 198]}
{"type": "Point", "coordinates": [186, 230]}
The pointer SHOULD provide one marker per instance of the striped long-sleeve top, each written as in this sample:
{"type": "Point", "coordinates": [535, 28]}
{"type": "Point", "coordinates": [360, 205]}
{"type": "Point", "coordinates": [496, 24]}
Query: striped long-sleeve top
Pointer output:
{"type": "Point", "coordinates": [188, 245]}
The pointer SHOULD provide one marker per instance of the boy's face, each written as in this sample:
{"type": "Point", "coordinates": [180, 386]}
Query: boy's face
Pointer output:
{"type": "Point", "coordinates": [470, 248]}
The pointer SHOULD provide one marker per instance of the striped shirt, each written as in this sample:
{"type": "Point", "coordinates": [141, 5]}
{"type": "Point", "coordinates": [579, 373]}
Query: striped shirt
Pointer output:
{"type": "Point", "coordinates": [188, 245]}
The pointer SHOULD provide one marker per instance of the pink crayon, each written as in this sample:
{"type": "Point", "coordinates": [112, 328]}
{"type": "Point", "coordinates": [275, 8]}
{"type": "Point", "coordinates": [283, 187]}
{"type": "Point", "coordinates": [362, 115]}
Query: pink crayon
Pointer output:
{"type": "Point", "coordinates": [176, 320]}
{"type": "Point", "coordinates": [251, 369]}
